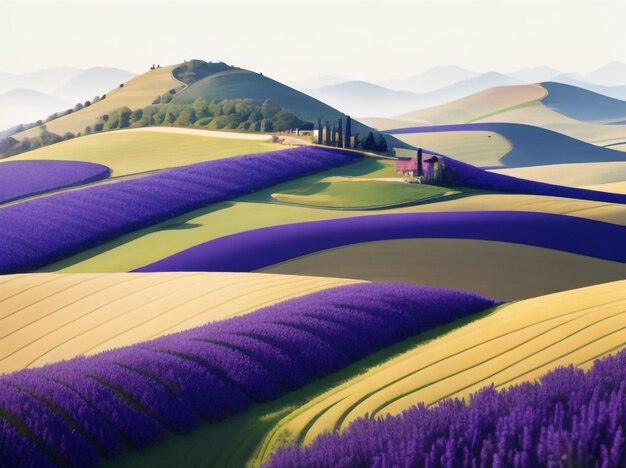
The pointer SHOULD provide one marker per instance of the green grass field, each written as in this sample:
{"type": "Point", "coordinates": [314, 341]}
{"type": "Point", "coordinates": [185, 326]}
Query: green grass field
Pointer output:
{"type": "Point", "coordinates": [253, 211]}
{"type": "Point", "coordinates": [133, 152]}
{"type": "Point", "coordinates": [358, 193]}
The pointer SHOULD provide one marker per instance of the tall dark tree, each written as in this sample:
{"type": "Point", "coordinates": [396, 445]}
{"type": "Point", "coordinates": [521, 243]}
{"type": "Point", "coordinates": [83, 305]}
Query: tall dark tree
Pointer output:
{"type": "Point", "coordinates": [420, 163]}
{"type": "Point", "coordinates": [328, 132]}
{"type": "Point", "coordinates": [348, 132]}
{"type": "Point", "coordinates": [340, 133]}
{"type": "Point", "coordinates": [320, 131]}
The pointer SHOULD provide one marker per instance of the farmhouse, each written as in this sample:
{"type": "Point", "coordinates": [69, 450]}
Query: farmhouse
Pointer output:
{"type": "Point", "coordinates": [423, 168]}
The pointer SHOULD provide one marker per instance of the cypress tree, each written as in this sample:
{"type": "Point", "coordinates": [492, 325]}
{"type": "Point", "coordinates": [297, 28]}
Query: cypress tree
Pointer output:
{"type": "Point", "coordinates": [340, 133]}
{"type": "Point", "coordinates": [420, 163]}
{"type": "Point", "coordinates": [327, 135]}
{"type": "Point", "coordinates": [348, 135]}
{"type": "Point", "coordinates": [320, 130]}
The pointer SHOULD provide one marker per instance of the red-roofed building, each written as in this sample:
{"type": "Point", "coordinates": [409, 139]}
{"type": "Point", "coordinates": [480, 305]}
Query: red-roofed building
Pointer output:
{"type": "Point", "coordinates": [430, 170]}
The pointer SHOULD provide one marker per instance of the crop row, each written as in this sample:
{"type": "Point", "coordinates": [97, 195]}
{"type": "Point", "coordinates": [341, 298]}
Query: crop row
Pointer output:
{"type": "Point", "coordinates": [74, 411]}
{"type": "Point", "coordinates": [259, 248]}
{"type": "Point", "coordinates": [41, 231]}
{"type": "Point", "coordinates": [569, 418]}
{"type": "Point", "coordinates": [19, 179]}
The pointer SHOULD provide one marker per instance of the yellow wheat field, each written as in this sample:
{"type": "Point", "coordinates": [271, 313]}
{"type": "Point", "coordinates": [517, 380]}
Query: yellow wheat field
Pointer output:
{"type": "Point", "coordinates": [49, 317]}
{"type": "Point", "coordinates": [518, 342]}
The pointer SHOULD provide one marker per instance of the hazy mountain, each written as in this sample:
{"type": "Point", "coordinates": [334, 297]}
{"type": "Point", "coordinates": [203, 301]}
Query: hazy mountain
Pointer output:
{"type": "Point", "coordinates": [364, 99]}
{"type": "Point", "coordinates": [43, 80]}
{"type": "Point", "coordinates": [360, 98]}
{"type": "Point", "coordinates": [318, 82]}
{"type": "Point", "coordinates": [612, 74]}
{"type": "Point", "coordinates": [25, 106]}
{"type": "Point", "coordinates": [92, 82]}
{"type": "Point", "coordinates": [535, 74]}
{"type": "Point", "coordinates": [430, 80]}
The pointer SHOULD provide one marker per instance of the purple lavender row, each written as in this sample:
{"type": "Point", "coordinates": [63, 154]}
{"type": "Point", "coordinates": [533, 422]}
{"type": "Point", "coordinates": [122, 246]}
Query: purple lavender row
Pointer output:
{"type": "Point", "coordinates": [570, 418]}
{"type": "Point", "coordinates": [19, 179]}
{"type": "Point", "coordinates": [259, 248]}
{"type": "Point", "coordinates": [133, 396]}
{"type": "Point", "coordinates": [41, 231]}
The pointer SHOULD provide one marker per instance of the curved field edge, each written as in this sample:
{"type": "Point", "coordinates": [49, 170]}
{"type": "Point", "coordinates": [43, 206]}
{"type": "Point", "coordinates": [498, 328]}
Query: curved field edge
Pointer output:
{"type": "Point", "coordinates": [480, 266]}
{"type": "Point", "coordinates": [21, 179]}
{"type": "Point", "coordinates": [218, 369]}
{"type": "Point", "coordinates": [48, 317]}
{"type": "Point", "coordinates": [532, 424]}
{"type": "Point", "coordinates": [136, 151]}
{"type": "Point", "coordinates": [252, 250]}
{"type": "Point", "coordinates": [151, 244]}
{"type": "Point", "coordinates": [80, 219]}
{"type": "Point", "coordinates": [516, 343]}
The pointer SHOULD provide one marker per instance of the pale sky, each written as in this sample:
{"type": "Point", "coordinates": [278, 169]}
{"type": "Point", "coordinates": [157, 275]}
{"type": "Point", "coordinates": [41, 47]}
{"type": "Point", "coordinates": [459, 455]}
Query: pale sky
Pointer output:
{"type": "Point", "coordinates": [293, 40]}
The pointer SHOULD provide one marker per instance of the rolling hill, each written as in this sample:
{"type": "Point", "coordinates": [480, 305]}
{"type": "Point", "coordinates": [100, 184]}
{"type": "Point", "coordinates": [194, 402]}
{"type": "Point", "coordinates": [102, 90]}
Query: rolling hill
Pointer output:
{"type": "Point", "coordinates": [573, 111]}
{"type": "Point", "coordinates": [581, 104]}
{"type": "Point", "coordinates": [140, 91]}
{"type": "Point", "coordinates": [134, 151]}
{"type": "Point", "coordinates": [506, 145]}
{"type": "Point", "coordinates": [245, 84]}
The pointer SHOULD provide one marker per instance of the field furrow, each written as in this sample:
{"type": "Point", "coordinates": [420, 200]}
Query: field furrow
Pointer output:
{"type": "Point", "coordinates": [49, 317]}
{"type": "Point", "coordinates": [516, 343]}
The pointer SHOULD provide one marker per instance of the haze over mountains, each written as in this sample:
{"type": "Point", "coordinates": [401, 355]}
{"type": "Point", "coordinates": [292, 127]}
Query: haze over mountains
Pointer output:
{"type": "Point", "coordinates": [445, 83]}
{"type": "Point", "coordinates": [31, 96]}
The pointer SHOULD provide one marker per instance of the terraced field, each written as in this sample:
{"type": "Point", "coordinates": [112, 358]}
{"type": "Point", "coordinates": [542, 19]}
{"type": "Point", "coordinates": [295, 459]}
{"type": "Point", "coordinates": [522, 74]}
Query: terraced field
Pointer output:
{"type": "Point", "coordinates": [517, 342]}
{"type": "Point", "coordinates": [132, 152]}
{"type": "Point", "coordinates": [50, 317]}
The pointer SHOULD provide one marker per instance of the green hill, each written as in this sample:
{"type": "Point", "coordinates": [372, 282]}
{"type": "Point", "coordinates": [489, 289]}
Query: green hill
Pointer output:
{"type": "Point", "coordinates": [244, 84]}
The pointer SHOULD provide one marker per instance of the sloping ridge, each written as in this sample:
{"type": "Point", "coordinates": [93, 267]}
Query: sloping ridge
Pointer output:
{"type": "Point", "coordinates": [478, 105]}
{"type": "Point", "coordinates": [582, 104]}
{"type": "Point", "coordinates": [246, 84]}
{"type": "Point", "coordinates": [532, 146]}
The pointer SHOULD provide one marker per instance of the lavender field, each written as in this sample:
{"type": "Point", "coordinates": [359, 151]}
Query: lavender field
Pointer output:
{"type": "Point", "coordinates": [386, 234]}
{"type": "Point", "coordinates": [570, 417]}
{"type": "Point", "coordinates": [19, 179]}
{"type": "Point", "coordinates": [252, 250]}
{"type": "Point", "coordinates": [111, 210]}
{"type": "Point", "coordinates": [77, 410]}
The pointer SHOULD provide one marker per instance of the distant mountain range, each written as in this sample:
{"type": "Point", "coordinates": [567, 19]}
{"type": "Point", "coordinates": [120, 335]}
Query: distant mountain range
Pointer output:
{"type": "Point", "coordinates": [32, 96]}
{"type": "Point", "coordinates": [25, 105]}
{"type": "Point", "coordinates": [89, 83]}
{"type": "Point", "coordinates": [447, 83]}
{"type": "Point", "coordinates": [364, 99]}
